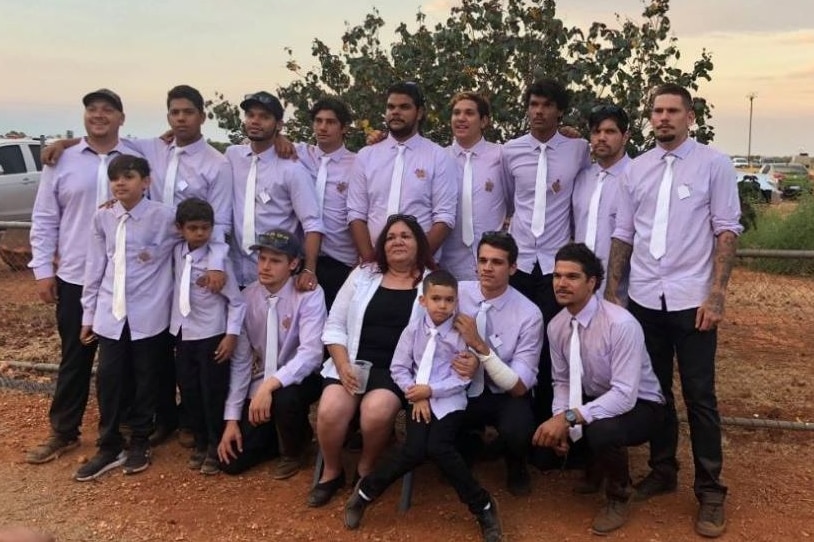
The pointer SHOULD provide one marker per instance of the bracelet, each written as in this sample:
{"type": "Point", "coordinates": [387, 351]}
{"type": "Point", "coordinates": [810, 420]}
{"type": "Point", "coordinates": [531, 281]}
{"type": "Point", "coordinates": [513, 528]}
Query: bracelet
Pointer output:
{"type": "Point", "coordinates": [306, 270]}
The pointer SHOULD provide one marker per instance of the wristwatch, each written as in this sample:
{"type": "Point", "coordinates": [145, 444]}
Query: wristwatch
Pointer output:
{"type": "Point", "coordinates": [571, 417]}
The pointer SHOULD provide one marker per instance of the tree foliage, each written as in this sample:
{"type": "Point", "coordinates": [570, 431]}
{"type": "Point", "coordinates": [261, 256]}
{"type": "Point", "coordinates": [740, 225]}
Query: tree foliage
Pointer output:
{"type": "Point", "coordinates": [496, 47]}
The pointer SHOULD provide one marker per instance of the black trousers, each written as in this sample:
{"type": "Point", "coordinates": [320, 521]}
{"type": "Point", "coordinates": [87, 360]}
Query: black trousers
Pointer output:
{"type": "Point", "coordinates": [670, 334]}
{"type": "Point", "coordinates": [204, 385]}
{"type": "Point", "coordinates": [539, 289]}
{"type": "Point", "coordinates": [436, 441]}
{"type": "Point", "coordinates": [609, 438]}
{"type": "Point", "coordinates": [511, 416]}
{"type": "Point", "coordinates": [288, 432]}
{"type": "Point", "coordinates": [167, 411]}
{"type": "Point", "coordinates": [120, 360]}
{"type": "Point", "coordinates": [73, 379]}
{"type": "Point", "coordinates": [332, 275]}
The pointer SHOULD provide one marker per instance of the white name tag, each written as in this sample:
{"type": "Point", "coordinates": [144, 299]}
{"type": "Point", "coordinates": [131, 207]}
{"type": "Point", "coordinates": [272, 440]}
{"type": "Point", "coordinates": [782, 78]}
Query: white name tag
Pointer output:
{"type": "Point", "coordinates": [495, 340]}
{"type": "Point", "coordinates": [264, 197]}
{"type": "Point", "coordinates": [683, 191]}
{"type": "Point", "coordinates": [182, 185]}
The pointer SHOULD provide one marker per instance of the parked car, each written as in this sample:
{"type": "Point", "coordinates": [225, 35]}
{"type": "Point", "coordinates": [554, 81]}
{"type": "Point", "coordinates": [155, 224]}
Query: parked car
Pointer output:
{"type": "Point", "coordinates": [761, 183]}
{"type": "Point", "coordinates": [20, 168]}
{"type": "Point", "coordinates": [740, 161]}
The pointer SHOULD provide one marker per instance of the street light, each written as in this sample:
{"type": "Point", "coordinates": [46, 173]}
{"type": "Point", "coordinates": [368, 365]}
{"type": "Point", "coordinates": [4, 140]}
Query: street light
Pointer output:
{"type": "Point", "coordinates": [751, 96]}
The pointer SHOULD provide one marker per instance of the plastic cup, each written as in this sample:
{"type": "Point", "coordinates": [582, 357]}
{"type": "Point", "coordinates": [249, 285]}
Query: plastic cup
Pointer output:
{"type": "Point", "coordinates": [361, 369]}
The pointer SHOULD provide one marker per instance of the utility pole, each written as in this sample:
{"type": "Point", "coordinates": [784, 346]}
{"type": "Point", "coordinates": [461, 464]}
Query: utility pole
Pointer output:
{"type": "Point", "coordinates": [751, 96]}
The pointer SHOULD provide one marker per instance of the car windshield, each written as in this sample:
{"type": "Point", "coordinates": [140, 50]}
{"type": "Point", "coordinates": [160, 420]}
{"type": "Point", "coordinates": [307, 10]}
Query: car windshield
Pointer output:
{"type": "Point", "coordinates": [792, 169]}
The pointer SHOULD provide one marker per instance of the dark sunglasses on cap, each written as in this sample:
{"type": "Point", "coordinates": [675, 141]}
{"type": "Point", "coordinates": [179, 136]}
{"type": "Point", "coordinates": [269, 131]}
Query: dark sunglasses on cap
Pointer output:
{"type": "Point", "coordinates": [262, 97]}
{"type": "Point", "coordinates": [400, 217]}
{"type": "Point", "coordinates": [501, 234]}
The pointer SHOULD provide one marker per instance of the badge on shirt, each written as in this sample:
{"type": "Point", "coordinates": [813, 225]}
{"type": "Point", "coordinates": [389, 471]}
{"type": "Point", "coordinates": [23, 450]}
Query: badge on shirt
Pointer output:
{"type": "Point", "coordinates": [258, 367]}
{"type": "Point", "coordinates": [683, 191]}
{"type": "Point", "coordinates": [495, 340]}
{"type": "Point", "coordinates": [182, 185]}
{"type": "Point", "coordinates": [287, 322]}
{"type": "Point", "coordinates": [556, 186]}
{"type": "Point", "coordinates": [144, 255]}
{"type": "Point", "coordinates": [489, 186]}
{"type": "Point", "coordinates": [264, 197]}
{"type": "Point", "coordinates": [341, 186]}
{"type": "Point", "coordinates": [420, 174]}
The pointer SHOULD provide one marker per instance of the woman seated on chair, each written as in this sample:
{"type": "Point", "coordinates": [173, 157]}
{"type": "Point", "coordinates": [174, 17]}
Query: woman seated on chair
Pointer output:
{"type": "Point", "coordinates": [371, 310]}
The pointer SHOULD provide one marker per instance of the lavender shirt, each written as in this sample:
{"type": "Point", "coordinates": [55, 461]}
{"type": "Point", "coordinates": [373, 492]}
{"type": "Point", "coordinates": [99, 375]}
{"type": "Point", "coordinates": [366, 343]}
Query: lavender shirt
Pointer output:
{"type": "Point", "coordinates": [616, 369]}
{"type": "Point", "coordinates": [606, 217]}
{"type": "Point", "coordinates": [703, 203]}
{"type": "Point", "coordinates": [203, 172]}
{"type": "Point", "coordinates": [211, 314]}
{"type": "Point", "coordinates": [301, 317]}
{"type": "Point", "coordinates": [565, 158]}
{"type": "Point", "coordinates": [448, 387]}
{"type": "Point", "coordinates": [337, 241]}
{"type": "Point", "coordinates": [514, 329]}
{"type": "Point", "coordinates": [63, 209]}
{"type": "Point", "coordinates": [150, 237]}
{"type": "Point", "coordinates": [285, 198]}
{"type": "Point", "coordinates": [489, 203]}
{"type": "Point", "coordinates": [428, 190]}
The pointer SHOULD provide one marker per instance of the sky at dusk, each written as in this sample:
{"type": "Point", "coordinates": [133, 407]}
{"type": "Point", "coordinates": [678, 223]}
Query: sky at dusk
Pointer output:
{"type": "Point", "coordinates": [141, 49]}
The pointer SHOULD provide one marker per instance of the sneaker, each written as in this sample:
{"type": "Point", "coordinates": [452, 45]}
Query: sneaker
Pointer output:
{"type": "Point", "coordinates": [210, 466]}
{"type": "Point", "coordinates": [321, 493]}
{"type": "Point", "coordinates": [518, 480]}
{"type": "Point", "coordinates": [355, 509]}
{"type": "Point", "coordinates": [287, 467]}
{"type": "Point", "coordinates": [196, 460]}
{"type": "Point", "coordinates": [653, 485]}
{"type": "Point", "coordinates": [612, 516]}
{"type": "Point", "coordinates": [51, 449]}
{"type": "Point", "coordinates": [138, 459]}
{"type": "Point", "coordinates": [99, 464]}
{"type": "Point", "coordinates": [711, 520]}
{"type": "Point", "coordinates": [489, 522]}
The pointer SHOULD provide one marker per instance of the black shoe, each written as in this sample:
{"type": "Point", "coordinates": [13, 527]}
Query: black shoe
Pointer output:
{"type": "Point", "coordinates": [355, 509]}
{"type": "Point", "coordinates": [138, 458]}
{"type": "Point", "coordinates": [321, 493]}
{"type": "Point", "coordinates": [161, 434]}
{"type": "Point", "coordinates": [653, 485]}
{"type": "Point", "coordinates": [518, 480]}
{"type": "Point", "coordinates": [98, 465]}
{"type": "Point", "coordinates": [612, 516]}
{"type": "Point", "coordinates": [489, 522]}
{"type": "Point", "coordinates": [711, 520]}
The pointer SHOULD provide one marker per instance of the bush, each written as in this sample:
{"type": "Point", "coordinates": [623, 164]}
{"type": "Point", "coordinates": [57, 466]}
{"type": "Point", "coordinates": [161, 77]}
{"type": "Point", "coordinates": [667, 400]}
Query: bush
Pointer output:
{"type": "Point", "coordinates": [781, 230]}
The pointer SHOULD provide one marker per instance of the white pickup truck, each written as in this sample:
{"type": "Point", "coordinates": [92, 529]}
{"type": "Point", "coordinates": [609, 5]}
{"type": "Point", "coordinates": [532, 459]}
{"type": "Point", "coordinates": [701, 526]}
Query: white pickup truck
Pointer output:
{"type": "Point", "coordinates": [20, 168]}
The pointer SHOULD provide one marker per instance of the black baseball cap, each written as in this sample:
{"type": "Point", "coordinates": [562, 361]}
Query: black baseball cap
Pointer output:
{"type": "Point", "coordinates": [104, 94]}
{"type": "Point", "coordinates": [281, 241]}
{"type": "Point", "coordinates": [265, 100]}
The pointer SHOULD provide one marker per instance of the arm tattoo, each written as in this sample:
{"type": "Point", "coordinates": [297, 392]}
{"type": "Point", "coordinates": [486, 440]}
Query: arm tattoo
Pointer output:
{"type": "Point", "coordinates": [618, 263]}
{"type": "Point", "coordinates": [724, 258]}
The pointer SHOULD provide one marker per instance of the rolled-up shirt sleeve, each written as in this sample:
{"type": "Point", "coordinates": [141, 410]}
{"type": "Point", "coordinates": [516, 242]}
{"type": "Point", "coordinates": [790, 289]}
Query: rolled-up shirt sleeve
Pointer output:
{"type": "Point", "coordinates": [724, 203]}
{"type": "Point", "coordinates": [445, 190]}
{"type": "Point", "coordinates": [358, 201]}
{"type": "Point", "coordinates": [624, 211]}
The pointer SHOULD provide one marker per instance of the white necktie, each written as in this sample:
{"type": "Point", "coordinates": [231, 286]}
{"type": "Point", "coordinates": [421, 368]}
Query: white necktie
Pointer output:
{"type": "Point", "coordinates": [120, 268]}
{"type": "Point", "coordinates": [102, 181]}
{"type": "Point", "coordinates": [425, 366]}
{"type": "Point", "coordinates": [658, 238]}
{"type": "Point", "coordinates": [575, 377]}
{"type": "Point", "coordinates": [467, 202]}
{"type": "Point", "coordinates": [248, 206]}
{"type": "Point", "coordinates": [394, 199]}
{"type": "Point", "coordinates": [271, 338]}
{"type": "Point", "coordinates": [186, 277]}
{"type": "Point", "coordinates": [593, 211]}
{"type": "Point", "coordinates": [169, 178]}
{"type": "Point", "coordinates": [540, 187]}
{"type": "Point", "coordinates": [322, 181]}
{"type": "Point", "coordinates": [476, 386]}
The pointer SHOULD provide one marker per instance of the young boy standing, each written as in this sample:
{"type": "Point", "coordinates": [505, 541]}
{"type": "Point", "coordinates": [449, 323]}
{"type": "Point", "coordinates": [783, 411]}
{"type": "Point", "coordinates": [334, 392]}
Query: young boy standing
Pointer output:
{"type": "Point", "coordinates": [206, 326]}
{"type": "Point", "coordinates": [422, 368]}
{"type": "Point", "coordinates": [126, 303]}
{"type": "Point", "coordinates": [274, 376]}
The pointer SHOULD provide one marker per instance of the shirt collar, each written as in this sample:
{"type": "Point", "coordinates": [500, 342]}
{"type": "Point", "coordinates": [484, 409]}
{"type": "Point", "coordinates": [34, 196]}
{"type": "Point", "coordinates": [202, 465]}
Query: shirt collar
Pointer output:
{"type": "Point", "coordinates": [198, 254]}
{"type": "Point", "coordinates": [192, 148]}
{"type": "Point", "coordinates": [136, 213]}
{"type": "Point", "coordinates": [285, 292]}
{"type": "Point", "coordinates": [268, 154]}
{"type": "Point", "coordinates": [411, 143]}
{"type": "Point", "coordinates": [476, 149]}
{"type": "Point", "coordinates": [443, 329]}
{"type": "Point", "coordinates": [554, 142]}
{"type": "Point", "coordinates": [618, 168]}
{"type": "Point", "coordinates": [120, 148]}
{"type": "Point", "coordinates": [681, 152]}
{"type": "Point", "coordinates": [496, 302]}
{"type": "Point", "coordinates": [588, 311]}
{"type": "Point", "coordinates": [334, 156]}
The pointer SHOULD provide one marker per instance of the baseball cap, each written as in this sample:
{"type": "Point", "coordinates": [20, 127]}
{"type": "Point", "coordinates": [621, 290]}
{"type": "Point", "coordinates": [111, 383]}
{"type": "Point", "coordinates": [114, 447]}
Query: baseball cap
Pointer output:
{"type": "Point", "coordinates": [265, 100]}
{"type": "Point", "coordinates": [104, 94]}
{"type": "Point", "coordinates": [278, 241]}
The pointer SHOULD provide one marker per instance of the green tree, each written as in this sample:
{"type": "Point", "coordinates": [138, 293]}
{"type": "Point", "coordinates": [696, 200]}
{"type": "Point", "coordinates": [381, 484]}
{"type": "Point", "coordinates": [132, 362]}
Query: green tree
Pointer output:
{"type": "Point", "coordinates": [496, 47]}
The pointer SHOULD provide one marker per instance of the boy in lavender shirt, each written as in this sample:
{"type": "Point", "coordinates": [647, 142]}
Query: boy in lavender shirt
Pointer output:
{"type": "Point", "coordinates": [126, 304]}
{"type": "Point", "coordinates": [422, 368]}
{"type": "Point", "coordinates": [206, 326]}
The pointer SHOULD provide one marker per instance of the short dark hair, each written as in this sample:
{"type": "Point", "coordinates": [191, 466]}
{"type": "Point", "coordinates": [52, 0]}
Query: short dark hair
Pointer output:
{"type": "Point", "coordinates": [484, 107]}
{"type": "Point", "coordinates": [589, 262]}
{"type": "Point", "coordinates": [332, 103]}
{"type": "Point", "coordinates": [423, 258]}
{"type": "Point", "coordinates": [192, 209]}
{"type": "Point", "coordinates": [674, 89]}
{"type": "Point", "coordinates": [440, 277]}
{"type": "Point", "coordinates": [604, 112]}
{"type": "Point", "coordinates": [410, 89]}
{"type": "Point", "coordinates": [501, 240]}
{"type": "Point", "coordinates": [548, 88]}
{"type": "Point", "coordinates": [127, 162]}
{"type": "Point", "coordinates": [186, 92]}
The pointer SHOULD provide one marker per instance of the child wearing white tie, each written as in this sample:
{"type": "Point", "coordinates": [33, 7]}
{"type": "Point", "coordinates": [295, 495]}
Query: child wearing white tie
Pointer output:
{"type": "Point", "coordinates": [206, 326]}
{"type": "Point", "coordinates": [422, 368]}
